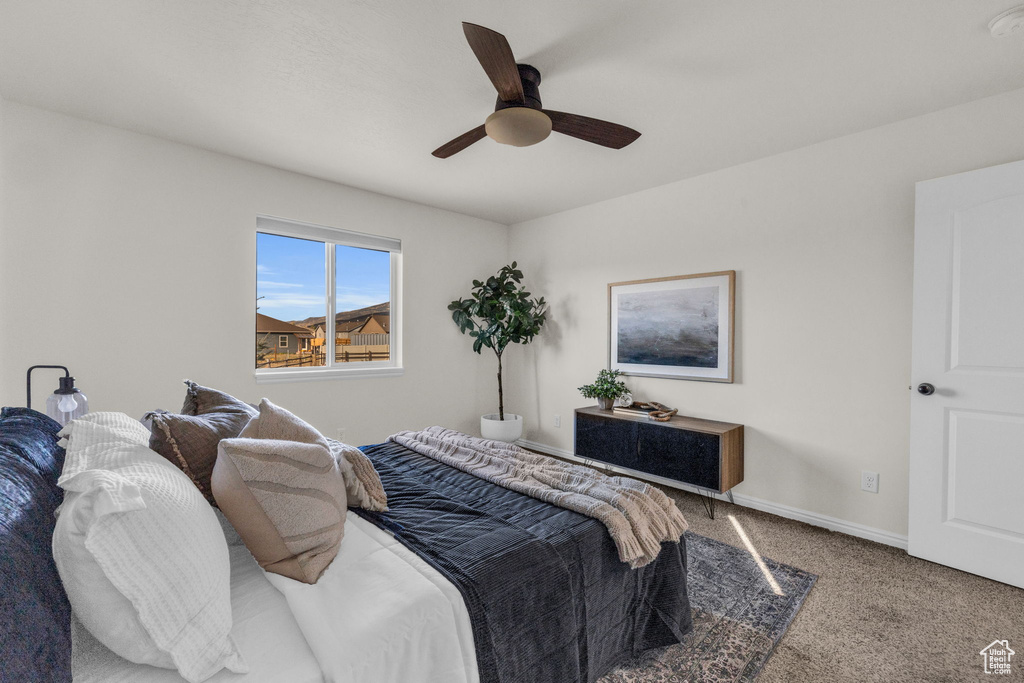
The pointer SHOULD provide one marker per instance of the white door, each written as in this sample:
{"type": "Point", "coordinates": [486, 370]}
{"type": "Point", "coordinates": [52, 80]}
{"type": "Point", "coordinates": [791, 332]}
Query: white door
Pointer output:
{"type": "Point", "coordinates": [967, 438]}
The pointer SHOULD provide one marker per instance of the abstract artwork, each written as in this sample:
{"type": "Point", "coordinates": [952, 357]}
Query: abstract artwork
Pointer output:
{"type": "Point", "coordinates": [679, 327]}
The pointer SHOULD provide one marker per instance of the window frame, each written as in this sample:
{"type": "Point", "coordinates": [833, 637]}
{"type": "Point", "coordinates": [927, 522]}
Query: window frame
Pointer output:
{"type": "Point", "coordinates": [282, 340]}
{"type": "Point", "coordinates": [331, 237]}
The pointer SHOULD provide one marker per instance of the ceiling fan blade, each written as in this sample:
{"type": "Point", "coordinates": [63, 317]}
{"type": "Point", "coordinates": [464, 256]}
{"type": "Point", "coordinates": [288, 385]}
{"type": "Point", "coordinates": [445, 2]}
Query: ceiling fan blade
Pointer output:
{"type": "Point", "coordinates": [592, 130]}
{"type": "Point", "coordinates": [495, 56]}
{"type": "Point", "coordinates": [460, 143]}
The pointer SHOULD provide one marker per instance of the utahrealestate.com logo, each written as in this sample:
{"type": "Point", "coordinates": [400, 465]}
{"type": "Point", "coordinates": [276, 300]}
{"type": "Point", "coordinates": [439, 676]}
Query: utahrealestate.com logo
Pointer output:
{"type": "Point", "coordinates": [997, 657]}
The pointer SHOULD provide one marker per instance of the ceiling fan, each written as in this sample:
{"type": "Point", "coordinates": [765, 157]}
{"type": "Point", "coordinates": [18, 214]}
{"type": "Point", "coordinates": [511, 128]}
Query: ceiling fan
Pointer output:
{"type": "Point", "coordinates": [518, 117]}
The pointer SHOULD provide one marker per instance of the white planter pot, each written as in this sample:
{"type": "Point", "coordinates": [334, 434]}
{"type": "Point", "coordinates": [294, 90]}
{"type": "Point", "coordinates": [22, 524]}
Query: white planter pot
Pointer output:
{"type": "Point", "coordinates": [509, 429]}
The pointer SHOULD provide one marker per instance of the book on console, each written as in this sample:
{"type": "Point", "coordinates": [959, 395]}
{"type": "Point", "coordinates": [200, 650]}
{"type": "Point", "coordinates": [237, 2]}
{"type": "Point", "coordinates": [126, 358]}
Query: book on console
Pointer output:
{"type": "Point", "coordinates": [634, 409]}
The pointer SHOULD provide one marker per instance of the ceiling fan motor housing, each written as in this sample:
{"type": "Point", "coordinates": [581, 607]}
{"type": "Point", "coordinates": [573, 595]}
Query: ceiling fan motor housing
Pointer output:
{"type": "Point", "coordinates": [531, 89]}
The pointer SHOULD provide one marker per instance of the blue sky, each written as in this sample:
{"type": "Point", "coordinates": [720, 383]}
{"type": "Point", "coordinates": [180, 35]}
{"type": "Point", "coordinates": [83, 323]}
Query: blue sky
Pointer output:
{"type": "Point", "coordinates": [290, 277]}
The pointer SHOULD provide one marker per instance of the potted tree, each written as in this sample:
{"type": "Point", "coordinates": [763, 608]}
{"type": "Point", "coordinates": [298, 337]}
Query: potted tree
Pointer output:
{"type": "Point", "coordinates": [499, 312]}
{"type": "Point", "coordinates": [606, 388]}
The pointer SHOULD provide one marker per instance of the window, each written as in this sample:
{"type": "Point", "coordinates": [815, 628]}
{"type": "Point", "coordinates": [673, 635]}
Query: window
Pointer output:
{"type": "Point", "coordinates": [336, 290]}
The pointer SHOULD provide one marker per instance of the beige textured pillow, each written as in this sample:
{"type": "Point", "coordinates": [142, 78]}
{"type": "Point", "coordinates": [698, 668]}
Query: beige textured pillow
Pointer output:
{"type": "Point", "coordinates": [362, 482]}
{"type": "Point", "coordinates": [274, 422]}
{"type": "Point", "coordinates": [280, 487]}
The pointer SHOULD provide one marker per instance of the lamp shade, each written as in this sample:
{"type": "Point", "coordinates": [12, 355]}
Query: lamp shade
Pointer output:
{"type": "Point", "coordinates": [67, 402]}
{"type": "Point", "coordinates": [518, 126]}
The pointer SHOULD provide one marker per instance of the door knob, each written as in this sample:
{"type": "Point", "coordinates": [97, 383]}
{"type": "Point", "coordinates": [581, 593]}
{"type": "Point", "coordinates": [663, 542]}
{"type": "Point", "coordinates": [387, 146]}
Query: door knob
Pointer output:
{"type": "Point", "coordinates": [926, 389]}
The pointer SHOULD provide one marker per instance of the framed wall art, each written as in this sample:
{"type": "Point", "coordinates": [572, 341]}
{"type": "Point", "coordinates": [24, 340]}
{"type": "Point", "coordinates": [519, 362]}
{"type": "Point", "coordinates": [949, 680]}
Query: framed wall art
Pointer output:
{"type": "Point", "coordinates": [676, 327]}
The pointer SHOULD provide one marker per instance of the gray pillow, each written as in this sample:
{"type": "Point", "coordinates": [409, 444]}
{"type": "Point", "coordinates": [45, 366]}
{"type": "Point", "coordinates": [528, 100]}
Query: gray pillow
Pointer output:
{"type": "Point", "coordinates": [200, 400]}
{"type": "Point", "coordinates": [189, 440]}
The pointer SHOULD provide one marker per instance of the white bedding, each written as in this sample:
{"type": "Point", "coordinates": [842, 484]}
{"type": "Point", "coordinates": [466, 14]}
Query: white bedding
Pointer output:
{"type": "Point", "coordinates": [400, 621]}
{"type": "Point", "coordinates": [379, 614]}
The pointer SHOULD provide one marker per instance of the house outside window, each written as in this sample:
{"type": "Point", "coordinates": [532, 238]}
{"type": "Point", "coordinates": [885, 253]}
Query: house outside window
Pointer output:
{"type": "Point", "coordinates": [330, 298]}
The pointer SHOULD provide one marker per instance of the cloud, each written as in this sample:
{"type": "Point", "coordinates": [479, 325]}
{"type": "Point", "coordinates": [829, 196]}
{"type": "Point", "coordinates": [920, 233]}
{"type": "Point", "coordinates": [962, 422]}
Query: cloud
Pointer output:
{"type": "Point", "coordinates": [352, 298]}
{"type": "Point", "coordinates": [271, 283]}
{"type": "Point", "coordinates": [351, 302]}
{"type": "Point", "coordinates": [292, 301]}
{"type": "Point", "coordinates": [372, 291]}
{"type": "Point", "coordinates": [260, 268]}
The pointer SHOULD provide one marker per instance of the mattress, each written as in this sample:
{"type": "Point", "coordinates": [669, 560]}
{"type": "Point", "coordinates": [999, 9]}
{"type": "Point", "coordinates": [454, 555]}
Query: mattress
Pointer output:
{"type": "Point", "coordinates": [272, 642]}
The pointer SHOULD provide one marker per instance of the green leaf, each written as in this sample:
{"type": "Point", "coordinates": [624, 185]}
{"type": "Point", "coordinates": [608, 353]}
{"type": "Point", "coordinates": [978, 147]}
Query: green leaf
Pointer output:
{"type": "Point", "coordinates": [499, 311]}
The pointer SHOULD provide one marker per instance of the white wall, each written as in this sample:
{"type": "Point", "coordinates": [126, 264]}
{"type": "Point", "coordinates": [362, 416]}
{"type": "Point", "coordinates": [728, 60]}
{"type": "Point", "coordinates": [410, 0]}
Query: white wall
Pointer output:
{"type": "Point", "coordinates": [131, 260]}
{"type": "Point", "coordinates": [3, 197]}
{"type": "Point", "coordinates": [822, 242]}
{"type": "Point", "coordinates": [116, 247]}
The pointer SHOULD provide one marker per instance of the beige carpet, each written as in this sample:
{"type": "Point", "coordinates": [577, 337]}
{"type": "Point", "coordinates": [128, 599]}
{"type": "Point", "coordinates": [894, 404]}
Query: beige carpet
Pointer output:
{"type": "Point", "coordinates": [875, 614]}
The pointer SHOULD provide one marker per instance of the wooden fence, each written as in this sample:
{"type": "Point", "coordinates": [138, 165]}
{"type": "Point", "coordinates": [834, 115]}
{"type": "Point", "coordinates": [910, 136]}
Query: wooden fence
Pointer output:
{"type": "Point", "coordinates": [342, 355]}
{"type": "Point", "coordinates": [306, 359]}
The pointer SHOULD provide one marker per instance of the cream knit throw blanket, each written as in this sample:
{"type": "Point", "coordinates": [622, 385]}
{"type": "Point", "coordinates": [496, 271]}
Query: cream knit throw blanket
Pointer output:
{"type": "Point", "coordinates": [639, 516]}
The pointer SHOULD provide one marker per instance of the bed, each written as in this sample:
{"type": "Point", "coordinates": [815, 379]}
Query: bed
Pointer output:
{"type": "Point", "coordinates": [459, 580]}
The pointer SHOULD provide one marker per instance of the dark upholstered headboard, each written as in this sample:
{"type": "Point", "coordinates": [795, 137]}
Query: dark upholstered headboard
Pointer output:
{"type": "Point", "coordinates": [35, 617]}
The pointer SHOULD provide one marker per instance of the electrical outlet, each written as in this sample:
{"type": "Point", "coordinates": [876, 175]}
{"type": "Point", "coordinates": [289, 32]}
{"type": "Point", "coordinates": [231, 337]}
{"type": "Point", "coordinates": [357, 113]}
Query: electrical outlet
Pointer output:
{"type": "Point", "coordinates": [558, 420]}
{"type": "Point", "coordinates": [340, 434]}
{"type": "Point", "coordinates": [869, 481]}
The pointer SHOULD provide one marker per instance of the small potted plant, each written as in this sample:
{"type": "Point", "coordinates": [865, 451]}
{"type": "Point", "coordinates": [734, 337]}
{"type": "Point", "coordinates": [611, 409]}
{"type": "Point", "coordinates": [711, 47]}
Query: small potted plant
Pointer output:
{"type": "Point", "coordinates": [499, 312]}
{"type": "Point", "coordinates": [606, 388]}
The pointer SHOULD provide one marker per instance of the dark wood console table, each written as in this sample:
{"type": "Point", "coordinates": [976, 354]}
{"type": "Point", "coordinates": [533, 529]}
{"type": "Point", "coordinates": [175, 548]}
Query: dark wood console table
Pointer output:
{"type": "Point", "coordinates": [702, 453]}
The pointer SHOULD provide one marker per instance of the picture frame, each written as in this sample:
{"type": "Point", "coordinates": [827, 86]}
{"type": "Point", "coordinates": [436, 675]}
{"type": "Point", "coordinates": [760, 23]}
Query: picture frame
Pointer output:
{"type": "Point", "coordinates": [680, 327]}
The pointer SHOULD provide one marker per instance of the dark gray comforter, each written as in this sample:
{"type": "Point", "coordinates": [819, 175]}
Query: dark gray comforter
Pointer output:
{"type": "Point", "coordinates": [35, 616]}
{"type": "Point", "coordinates": [548, 598]}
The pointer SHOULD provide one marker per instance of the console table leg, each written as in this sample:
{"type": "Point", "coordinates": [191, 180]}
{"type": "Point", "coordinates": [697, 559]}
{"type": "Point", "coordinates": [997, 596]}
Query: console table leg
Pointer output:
{"type": "Point", "coordinates": [708, 499]}
{"type": "Point", "coordinates": [729, 493]}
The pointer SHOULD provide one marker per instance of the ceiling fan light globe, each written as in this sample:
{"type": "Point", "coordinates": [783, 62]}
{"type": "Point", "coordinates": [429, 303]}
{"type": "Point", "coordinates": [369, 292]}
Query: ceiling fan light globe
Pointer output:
{"type": "Point", "coordinates": [518, 126]}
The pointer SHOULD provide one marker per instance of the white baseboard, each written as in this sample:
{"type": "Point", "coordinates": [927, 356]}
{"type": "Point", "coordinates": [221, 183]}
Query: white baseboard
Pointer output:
{"type": "Point", "coordinates": [812, 518]}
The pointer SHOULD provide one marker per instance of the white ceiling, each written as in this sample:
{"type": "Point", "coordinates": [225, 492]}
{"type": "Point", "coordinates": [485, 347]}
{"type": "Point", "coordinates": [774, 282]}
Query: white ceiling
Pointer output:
{"type": "Point", "coordinates": [360, 92]}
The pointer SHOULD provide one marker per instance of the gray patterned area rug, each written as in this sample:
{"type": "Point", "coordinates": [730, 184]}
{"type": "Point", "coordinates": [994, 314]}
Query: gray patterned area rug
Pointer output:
{"type": "Point", "coordinates": [738, 618]}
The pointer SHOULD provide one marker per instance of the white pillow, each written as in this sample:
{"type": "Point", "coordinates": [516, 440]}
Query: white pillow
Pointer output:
{"type": "Point", "coordinates": [141, 553]}
{"type": "Point", "coordinates": [119, 428]}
